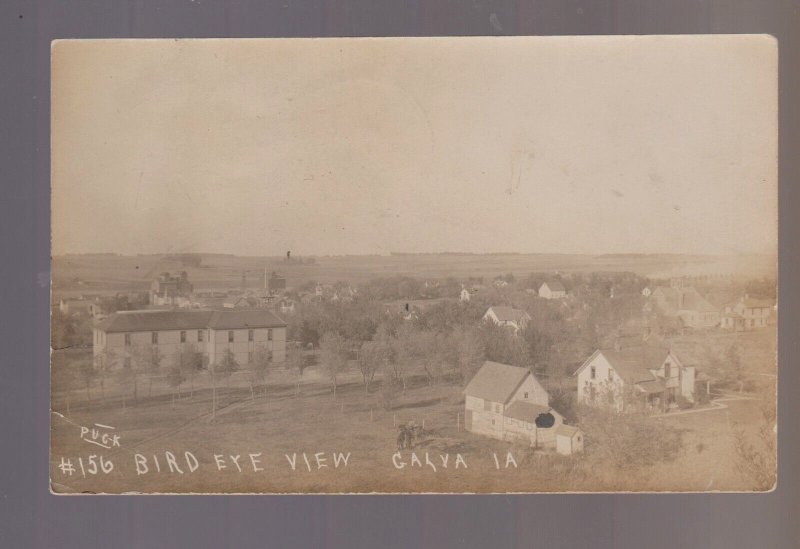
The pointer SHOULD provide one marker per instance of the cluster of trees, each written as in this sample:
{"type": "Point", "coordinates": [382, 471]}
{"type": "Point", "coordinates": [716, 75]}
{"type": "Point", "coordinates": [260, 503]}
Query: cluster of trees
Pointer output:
{"type": "Point", "coordinates": [69, 331]}
{"type": "Point", "coordinates": [409, 288]}
{"type": "Point", "coordinates": [560, 335]}
{"type": "Point", "coordinates": [399, 351]}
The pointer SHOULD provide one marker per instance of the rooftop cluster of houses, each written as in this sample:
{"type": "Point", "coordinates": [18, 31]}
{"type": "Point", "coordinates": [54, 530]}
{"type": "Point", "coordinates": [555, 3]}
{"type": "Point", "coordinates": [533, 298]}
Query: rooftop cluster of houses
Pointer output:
{"type": "Point", "coordinates": [508, 402]}
{"type": "Point", "coordinates": [549, 289]}
{"type": "Point", "coordinates": [693, 310]}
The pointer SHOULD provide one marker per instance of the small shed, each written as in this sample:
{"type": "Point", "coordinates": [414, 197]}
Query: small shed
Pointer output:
{"type": "Point", "coordinates": [569, 440]}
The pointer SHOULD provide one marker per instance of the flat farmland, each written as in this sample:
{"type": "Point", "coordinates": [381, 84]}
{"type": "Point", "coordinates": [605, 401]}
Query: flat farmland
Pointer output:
{"type": "Point", "coordinates": [111, 272]}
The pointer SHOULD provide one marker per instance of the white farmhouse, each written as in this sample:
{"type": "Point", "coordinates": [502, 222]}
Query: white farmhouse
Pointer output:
{"type": "Point", "coordinates": [646, 374]}
{"type": "Point", "coordinates": [552, 289]}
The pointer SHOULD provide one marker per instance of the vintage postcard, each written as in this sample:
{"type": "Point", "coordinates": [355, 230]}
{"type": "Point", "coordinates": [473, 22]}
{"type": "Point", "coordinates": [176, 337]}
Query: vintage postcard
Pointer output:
{"type": "Point", "coordinates": [414, 265]}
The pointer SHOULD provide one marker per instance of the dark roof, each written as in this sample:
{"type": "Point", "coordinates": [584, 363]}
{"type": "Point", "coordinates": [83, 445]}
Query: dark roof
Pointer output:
{"type": "Point", "coordinates": [155, 320]}
{"type": "Point", "coordinates": [555, 285]}
{"type": "Point", "coordinates": [509, 314]}
{"type": "Point", "coordinates": [496, 382]}
{"type": "Point", "coordinates": [634, 363]}
{"type": "Point", "coordinates": [245, 318]}
{"type": "Point", "coordinates": [159, 320]}
{"type": "Point", "coordinates": [526, 411]}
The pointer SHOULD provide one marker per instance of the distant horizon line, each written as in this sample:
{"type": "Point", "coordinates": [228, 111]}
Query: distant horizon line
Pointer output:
{"type": "Point", "coordinates": [391, 254]}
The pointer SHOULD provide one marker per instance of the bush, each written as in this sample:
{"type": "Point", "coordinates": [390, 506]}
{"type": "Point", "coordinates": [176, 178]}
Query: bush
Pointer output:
{"type": "Point", "coordinates": [628, 440]}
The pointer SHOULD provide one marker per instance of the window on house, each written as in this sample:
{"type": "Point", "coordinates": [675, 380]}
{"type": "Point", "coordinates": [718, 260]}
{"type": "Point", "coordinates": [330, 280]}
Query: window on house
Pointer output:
{"type": "Point", "coordinates": [594, 373]}
{"type": "Point", "coordinates": [249, 335]}
{"type": "Point", "coordinates": [127, 340]}
{"type": "Point", "coordinates": [269, 334]}
{"type": "Point", "coordinates": [230, 336]}
{"type": "Point", "coordinates": [667, 369]}
{"type": "Point", "coordinates": [183, 337]}
{"type": "Point", "coordinates": [154, 338]}
{"type": "Point", "coordinates": [199, 336]}
{"type": "Point", "coordinates": [610, 375]}
{"type": "Point", "coordinates": [525, 395]}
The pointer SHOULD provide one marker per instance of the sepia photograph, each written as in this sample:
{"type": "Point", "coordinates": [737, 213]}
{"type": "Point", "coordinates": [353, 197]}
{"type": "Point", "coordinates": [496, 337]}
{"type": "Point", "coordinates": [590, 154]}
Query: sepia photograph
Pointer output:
{"type": "Point", "coordinates": [414, 265]}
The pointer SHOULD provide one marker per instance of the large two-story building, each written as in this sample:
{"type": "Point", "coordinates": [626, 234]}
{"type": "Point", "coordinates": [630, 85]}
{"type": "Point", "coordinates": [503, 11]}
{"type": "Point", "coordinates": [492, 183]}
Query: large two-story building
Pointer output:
{"type": "Point", "coordinates": [122, 335]}
{"type": "Point", "coordinates": [747, 314]}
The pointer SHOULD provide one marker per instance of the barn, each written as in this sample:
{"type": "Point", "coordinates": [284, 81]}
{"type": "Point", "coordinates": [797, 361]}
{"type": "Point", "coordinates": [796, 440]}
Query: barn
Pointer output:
{"type": "Point", "coordinates": [508, 403]}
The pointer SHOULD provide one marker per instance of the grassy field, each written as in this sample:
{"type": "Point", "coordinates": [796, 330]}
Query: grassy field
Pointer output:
{"type": "Point", "coordinates": [280, 424]}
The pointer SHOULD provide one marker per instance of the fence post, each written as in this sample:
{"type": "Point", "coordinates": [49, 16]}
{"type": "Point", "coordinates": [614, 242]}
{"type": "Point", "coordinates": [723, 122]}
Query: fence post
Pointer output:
{"type": "Point", "coordinates": [370, 414]}
{"type": "Point", "coordinates": [458, 422]}
{"type": "Point", "coordinates": [394, 420]}
{"type": "Point", "coordinates": [423, 424]}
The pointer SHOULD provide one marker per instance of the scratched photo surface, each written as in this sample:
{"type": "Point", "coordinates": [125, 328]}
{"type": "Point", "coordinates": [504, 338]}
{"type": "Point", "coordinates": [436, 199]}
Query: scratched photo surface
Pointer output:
{"type": "Point", "coordinates": [414, 265]}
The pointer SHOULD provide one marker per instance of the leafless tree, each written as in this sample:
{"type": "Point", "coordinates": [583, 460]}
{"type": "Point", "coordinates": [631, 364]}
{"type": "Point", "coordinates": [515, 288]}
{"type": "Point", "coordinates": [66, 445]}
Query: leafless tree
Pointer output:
{"type": "Point", "coordinates": [333, 352]}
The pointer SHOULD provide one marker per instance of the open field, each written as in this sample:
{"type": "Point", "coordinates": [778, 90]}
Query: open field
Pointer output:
{"type": "Point", "coordinates": [280, 424]}
{"type": "Point", "coordinates": [98, 273]}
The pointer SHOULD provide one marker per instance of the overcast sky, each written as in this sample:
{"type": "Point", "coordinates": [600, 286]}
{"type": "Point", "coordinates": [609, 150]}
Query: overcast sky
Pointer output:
{"type": "Point", "coordinates": [358, 146]}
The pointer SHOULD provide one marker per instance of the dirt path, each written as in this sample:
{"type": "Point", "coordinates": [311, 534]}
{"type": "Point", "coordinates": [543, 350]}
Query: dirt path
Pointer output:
{"type": "Point", "coordinates": [715, 404]}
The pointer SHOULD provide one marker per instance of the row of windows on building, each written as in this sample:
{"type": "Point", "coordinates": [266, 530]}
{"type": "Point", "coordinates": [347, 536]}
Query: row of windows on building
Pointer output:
{"type": "Point", "coordinates": [200, 337]}
{"type": "Point", "coordinates": [128, 361]}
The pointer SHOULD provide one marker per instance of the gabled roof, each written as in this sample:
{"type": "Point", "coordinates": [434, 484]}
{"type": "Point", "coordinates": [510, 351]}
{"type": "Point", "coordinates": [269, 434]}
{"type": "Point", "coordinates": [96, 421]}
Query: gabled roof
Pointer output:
{"type": "Point", "coordinates": [160, 320]}
{"type": "Point", "coordinates": [496, 382]}
{"type": "Point", "coordinates": [691, 300]}
{"type": "Point", "coordinates": [509, 314]}
{"type": "Point", "coordinates": [155, 320]}
{"type": "Point", "coordinates": [632, 364]}
{"type": "Point", "coordinates": [526, 411]}
{"type": "Point", "coordinates": [554, 285]}
{"type": "Point", "coordinates": [672, 300]}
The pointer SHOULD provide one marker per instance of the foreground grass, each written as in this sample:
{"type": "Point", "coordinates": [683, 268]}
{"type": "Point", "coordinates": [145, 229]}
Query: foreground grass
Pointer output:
{"type": "Point", "coordinates": [281, 427]}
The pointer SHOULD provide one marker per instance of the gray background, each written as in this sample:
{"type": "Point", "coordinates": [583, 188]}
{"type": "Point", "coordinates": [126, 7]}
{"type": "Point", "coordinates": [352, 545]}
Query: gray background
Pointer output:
{"type": "Point", "coordinates": [31, 517]}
